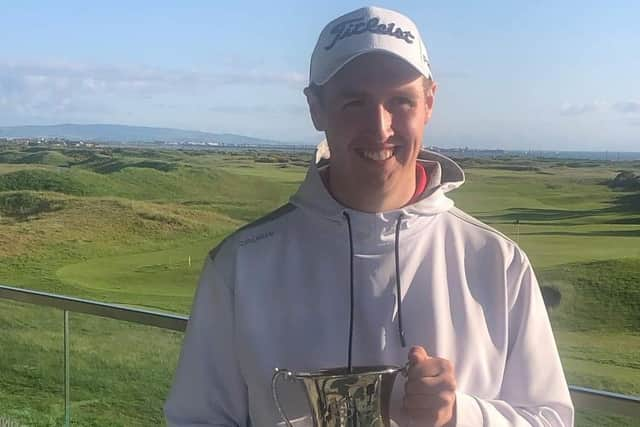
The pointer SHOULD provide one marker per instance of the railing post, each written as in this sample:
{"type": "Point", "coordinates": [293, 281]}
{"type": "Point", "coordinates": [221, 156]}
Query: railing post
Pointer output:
{"type": "Point", "coordinates": [67, 400]}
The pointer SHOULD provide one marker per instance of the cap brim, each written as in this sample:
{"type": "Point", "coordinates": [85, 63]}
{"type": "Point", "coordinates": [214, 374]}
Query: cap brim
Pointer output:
{"type": "Point", "coordinates": [363, 52]}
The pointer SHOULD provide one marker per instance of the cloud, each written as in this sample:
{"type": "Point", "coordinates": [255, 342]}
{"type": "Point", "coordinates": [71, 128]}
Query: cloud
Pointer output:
{"type": "Point", "coordinates": [42, 93]}
{"type": "Point", "coordinates": [100, 77]}
{"type": "Point", "coordinates": [622, 107]}
{"type": "Point", "coordinates": [258, 109]}
{"type": "Point", "coordinates": [624, 113]}
{"type": "Point", "coordinates": [627, 107]}
{"type": "Point", "coordinates": [578, 109]}
{"type": "Point", "coordinates": [254, 77]}
{"type": "Point", "coordinates": [50, 89]}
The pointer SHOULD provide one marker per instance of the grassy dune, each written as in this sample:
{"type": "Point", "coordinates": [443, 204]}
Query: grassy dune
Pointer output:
{"type": "Point", "coordinates": [121, 225]}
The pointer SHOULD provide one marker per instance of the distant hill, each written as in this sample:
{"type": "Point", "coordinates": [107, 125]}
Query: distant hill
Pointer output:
{"type": "Point", "coordinates": [129, 134]}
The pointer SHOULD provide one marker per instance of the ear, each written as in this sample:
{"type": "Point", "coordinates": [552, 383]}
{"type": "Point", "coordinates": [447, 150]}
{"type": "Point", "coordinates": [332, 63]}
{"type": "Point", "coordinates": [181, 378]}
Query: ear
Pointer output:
{"type": "Point", "coordinates": [316, 110]}
{"type": "Point", "coordinates": [430, 96]}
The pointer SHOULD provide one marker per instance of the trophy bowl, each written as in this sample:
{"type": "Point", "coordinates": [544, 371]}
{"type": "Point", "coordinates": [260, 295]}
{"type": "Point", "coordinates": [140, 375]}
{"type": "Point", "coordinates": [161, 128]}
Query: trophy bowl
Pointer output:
{"type": "Point", "coordinates": [344, 397]}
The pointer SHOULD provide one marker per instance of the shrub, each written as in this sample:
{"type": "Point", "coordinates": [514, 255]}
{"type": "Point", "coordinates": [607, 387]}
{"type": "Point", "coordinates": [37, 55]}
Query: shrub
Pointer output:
{"type": "Point", "coordinates": [25, 204]}
{"type": "Point", "coordinates": [625, 180]}
{"type": "Point", "coordinates": [40, 180]}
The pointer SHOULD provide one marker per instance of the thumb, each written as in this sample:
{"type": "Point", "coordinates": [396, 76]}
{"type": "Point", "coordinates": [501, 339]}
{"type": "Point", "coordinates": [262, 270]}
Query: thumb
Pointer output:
{"type": "Point", "coordinates": [417, 354]}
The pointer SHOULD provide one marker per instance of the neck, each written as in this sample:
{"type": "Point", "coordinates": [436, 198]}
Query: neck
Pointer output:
{"type": "Point", "coordinates": [374, 199]}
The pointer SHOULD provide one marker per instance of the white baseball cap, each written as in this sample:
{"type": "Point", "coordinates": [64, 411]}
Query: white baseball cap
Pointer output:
{"type": "Point", "coordinates": [369, 29]}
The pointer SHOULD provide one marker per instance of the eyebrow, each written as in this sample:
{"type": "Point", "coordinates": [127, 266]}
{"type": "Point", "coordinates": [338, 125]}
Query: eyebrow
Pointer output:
{"type": "Point", "coordinates": [347, 93]}
{"type": "Point", "coordinates": [408, 93]}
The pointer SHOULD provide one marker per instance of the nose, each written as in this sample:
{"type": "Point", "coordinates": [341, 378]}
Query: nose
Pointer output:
{"type": "Point", "coordinates": [381, 123]}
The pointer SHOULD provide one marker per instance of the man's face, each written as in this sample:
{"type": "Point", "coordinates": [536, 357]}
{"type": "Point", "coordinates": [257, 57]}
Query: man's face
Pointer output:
{"type": "Point", "coordinates": [373, 112]}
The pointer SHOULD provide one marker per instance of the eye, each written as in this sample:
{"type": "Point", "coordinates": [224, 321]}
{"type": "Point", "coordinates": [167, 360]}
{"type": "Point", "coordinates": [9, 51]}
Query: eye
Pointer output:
{"type": "Point", "coordinates": [352, 103]}
{"type": "Point", "coordinates": [404, 101]}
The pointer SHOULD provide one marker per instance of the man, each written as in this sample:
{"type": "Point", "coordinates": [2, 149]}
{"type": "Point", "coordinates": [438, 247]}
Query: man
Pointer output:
{"type": "Point", "coordinates": [371, 264]}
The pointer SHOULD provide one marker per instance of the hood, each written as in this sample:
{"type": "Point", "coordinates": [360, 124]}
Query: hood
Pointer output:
{"type": "Point", "coordinates": [444, 175]}
{"type": "Point", "coordinates": [371, 234]}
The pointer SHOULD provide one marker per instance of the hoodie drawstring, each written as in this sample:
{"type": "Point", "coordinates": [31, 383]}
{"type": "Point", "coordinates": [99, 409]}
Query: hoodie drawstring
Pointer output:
{"type": "Point", "coordinates": [346, 215]}
{"type": "Point", "coordinates": [403, 341]}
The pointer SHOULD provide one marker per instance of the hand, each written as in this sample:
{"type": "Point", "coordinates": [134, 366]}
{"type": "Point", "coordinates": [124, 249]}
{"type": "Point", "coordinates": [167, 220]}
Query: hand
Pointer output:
{"type": "Point", "coordinates": [430, 398]}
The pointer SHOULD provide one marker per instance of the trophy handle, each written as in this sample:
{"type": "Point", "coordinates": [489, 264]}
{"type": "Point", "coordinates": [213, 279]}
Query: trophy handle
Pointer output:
{"type": "Point", "coordinates": [274, 389]}
{"type": "Point", "coordinates": [405, 369]}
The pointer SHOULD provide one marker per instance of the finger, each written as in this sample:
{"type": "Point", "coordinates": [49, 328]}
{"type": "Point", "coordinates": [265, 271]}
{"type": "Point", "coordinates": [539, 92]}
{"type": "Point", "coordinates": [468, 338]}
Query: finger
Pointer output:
{"type": "Point", "coordinates": [430, 385]}
{"type": "Point", "coordinates": [417, 354]}
{"type": "Point", "coordinates": [430, 368]}
{"type": "Point", "coordinates": [429, 417]}
{"type": "Point", "coordinates": [433, 402]}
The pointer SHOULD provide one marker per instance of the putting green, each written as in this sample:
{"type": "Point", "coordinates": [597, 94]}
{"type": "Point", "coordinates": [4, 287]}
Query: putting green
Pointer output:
{"type": "Point", "coordinates": [147, 277]}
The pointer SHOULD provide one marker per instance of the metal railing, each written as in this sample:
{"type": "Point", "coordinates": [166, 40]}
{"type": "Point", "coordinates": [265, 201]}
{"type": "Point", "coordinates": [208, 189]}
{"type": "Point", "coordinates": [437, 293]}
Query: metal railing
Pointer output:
{"type": "Point", "coordinates": [77, 305]}
{"type": "Point", "coordinates": [583, 398]}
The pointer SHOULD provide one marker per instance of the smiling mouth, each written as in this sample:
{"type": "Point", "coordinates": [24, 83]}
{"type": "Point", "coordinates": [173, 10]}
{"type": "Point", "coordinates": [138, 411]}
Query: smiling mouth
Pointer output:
{"type": "Point", "coordinates": [377, 155]}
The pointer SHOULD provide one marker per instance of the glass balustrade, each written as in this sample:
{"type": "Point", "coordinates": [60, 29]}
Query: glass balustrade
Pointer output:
{"type": "Point", "coordinates": [65, 361]}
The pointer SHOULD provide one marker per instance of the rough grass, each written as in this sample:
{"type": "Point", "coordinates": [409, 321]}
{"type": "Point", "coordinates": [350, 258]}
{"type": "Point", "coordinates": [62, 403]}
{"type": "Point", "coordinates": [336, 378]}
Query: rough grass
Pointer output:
{"type": "Point", "coordinates": [45, 157]}
{"type": "Point", "coordinates": [602, 296]}
{"type": "Point", "coordinates": [125, 223]}
{"type": "Point", "coordinates": [23, 204]}
{"type": "Point", "coordinates": [117, 379]}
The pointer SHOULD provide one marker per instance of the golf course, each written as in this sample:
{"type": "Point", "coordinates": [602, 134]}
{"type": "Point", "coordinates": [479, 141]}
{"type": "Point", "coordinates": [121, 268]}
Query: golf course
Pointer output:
{"type": "Point", "coordinates": [132, 226]}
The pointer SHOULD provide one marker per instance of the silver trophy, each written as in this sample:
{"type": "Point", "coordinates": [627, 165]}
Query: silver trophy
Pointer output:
{"type": "Point", "coordinates": [343, 397]}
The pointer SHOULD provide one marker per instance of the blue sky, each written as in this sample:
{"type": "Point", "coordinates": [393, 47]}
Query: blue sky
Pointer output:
{"type": "Point", "coordinates": [513, 75]}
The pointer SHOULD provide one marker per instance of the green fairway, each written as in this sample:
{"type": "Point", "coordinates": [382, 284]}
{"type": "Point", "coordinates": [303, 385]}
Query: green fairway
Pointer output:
{"type": "Point", "coordinates": [133, 226]}
{"type": "Point", "coordinates": [564, 215]}
{"type": "Point", "coordinates": [166, 276]}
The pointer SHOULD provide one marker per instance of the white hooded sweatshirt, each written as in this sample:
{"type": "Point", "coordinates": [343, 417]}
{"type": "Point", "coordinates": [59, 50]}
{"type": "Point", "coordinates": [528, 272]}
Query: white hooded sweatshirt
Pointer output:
{"type": "Point", "coordinates": [276, 294]}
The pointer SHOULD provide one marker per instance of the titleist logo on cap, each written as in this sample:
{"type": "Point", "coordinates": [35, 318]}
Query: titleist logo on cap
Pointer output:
{"type": "Point", "coordinates": [355, 26]}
